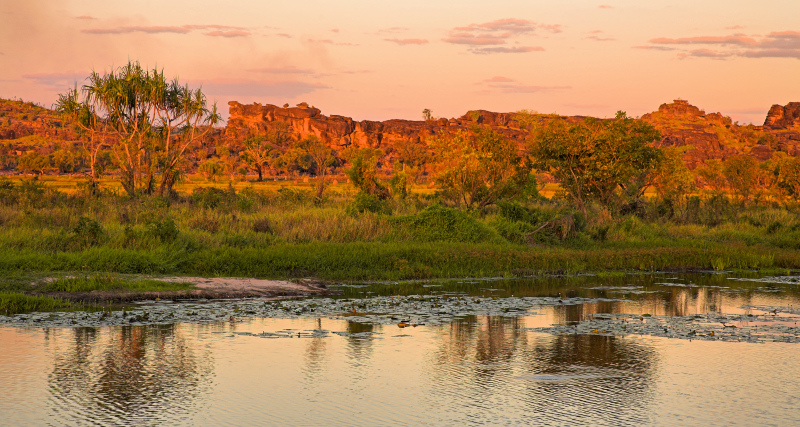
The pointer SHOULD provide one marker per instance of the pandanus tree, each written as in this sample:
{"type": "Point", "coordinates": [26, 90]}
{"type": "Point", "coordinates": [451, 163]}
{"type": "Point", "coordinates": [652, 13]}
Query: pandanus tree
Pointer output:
{"type": "Point", "coordinates": [92, 130]}
{"type": "Point", "coordinates": [150, 121]}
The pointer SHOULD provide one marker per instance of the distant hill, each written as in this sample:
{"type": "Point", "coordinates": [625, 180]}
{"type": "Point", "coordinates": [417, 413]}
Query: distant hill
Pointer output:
{"type": "Point", "coordinates": [27, 128]}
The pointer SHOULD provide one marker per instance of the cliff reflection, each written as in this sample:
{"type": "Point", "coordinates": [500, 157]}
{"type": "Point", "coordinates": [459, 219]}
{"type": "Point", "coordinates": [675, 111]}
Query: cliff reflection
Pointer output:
{"type": "Point", "coordinates": [124, 374]}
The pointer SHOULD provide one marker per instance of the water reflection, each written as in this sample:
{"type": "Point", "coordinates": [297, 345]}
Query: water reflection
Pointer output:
{"type": "Point", "coordinates": [488, 362]}
{"type": "Point", "coordinates": [477, 370]}
{"type": "Point", "coordinates": [127, 374]}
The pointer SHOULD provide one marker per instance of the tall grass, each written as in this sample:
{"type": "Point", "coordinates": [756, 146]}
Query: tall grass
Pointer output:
{"type": "Point", "coordinates": [286, 233]}
{"type": "Point", "coordinates": [14, 303]}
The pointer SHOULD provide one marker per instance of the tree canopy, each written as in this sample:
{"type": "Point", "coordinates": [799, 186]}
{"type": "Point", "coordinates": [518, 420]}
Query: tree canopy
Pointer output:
{"type": "Point", "coordinates": [480, 167]}
{"type": "Point", "coordinates": [152, 121]}
{"type": "Point", "coordinates": [597, 160]}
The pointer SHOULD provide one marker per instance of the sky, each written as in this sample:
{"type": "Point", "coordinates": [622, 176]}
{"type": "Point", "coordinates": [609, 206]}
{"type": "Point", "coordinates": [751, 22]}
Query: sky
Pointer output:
{"type": "Point", "coordinates": [383, 59]}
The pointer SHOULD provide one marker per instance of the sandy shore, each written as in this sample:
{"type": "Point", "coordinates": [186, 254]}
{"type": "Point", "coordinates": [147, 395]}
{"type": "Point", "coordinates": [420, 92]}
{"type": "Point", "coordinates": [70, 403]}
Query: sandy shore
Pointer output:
{"type": "Point", "coordinates": [209, 288]}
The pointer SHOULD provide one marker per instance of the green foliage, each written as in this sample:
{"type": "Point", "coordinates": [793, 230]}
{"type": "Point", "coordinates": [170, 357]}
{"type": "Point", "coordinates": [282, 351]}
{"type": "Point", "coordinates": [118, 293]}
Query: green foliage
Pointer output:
{"type": "Point", "coordinates": [441, 224]}
{"type": "Point", "coordinates": [607, 161]}
{"type": "Point", "coordinates": [480, 168]}
{"type": "Point", "coordinates": [152, 120]}
{"type": "Point", "coordinates": [165, 230]}
{"type": "Point", "coordinates": [788, 178]}
{"type": "Point", "coordinates": [88, 231]}
{"type": "Point", "coordinates": [15, 303]}
{"type": "Point", "coordinates": [99, 282]}
{"type": "Point", "coordinates": [364, 202]}
{"type": "Point", "coordinates": [363, 174]}
{"type": "Point", "coordinates": [741, 173]}
{"type": "Point", "coordinates": [211, 170]}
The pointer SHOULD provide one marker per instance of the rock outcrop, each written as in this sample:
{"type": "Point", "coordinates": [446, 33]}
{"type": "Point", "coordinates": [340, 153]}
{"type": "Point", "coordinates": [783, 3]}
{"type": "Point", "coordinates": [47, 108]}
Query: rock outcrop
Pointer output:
{"type": "Point", "coordinates": [342, 132]}
{"type": "Point", "coordinates": [782, 117]}
{"type": "Point", "coordinates": [714, 136]}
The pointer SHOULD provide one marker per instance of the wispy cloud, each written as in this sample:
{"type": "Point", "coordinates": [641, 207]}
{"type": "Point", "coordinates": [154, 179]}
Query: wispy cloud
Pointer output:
{"type": "Point", "coordinates": [86, 17]}
{"type": "Point", "coordinates": [599, 38]}
{"type": "Point", "coordinates": [651, 47]}
{"type": "Point", "coordinates": [404, 42]}
{"type": "Point", "coordinates": [498, 79]}
{"type": "Point", "coordinates": [58, 81]}
{"type": "Point", "coordinates": [605, 6]}
{"type": "Point", "coordinates": [252, 88]}
{"type": "Point", "coordinates": [330, 42]}
{"type": "Point", "coordinates": [291, 69]}
{"type": "Point", "coordinates": [393, 30]}
{"type": "Point", "coordinates": [231, 33]}
{"type": "Point", "coordinates": [779, 44]}
{"type": "Point", "coordinates": [209, 30]}
{"type": "Point", "coordinates": [497, 33]}
{"type": "Point", "coordinates": [705, 53]}
{"type": "Point", "coordinates": [509, 85]}
{"type": "Point", "coordinates": [288, 36]}
{"type": "Point", "coordinates": [505, 49]}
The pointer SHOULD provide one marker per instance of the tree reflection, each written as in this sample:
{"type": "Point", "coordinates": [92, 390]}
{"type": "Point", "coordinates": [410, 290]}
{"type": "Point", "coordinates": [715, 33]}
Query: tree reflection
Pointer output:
{"type": "Point", "coordinates": [122, 374]}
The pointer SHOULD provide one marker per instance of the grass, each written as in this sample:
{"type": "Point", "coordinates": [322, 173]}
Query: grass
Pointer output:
{"type": "Point", "coordinates": [282, 233]}
{"type": "Point", "coordinates": [109, 283]}
{"type": "Point", "coordinates": [14, 303]}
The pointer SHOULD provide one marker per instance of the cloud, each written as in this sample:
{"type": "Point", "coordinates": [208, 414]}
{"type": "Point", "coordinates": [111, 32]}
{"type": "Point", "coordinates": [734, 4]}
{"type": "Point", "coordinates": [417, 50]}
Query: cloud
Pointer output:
{"type": "Point", "coordinates": [735, 27]}
{"type": "Point", "coordinates": [778, 44]}
{"type": "Point", "coordinates": [284, 35]}
{"type": "Point", "coordinates": [598, 38]}
{"type": "Point", "coordinates": [404, 42]}
{"type": "Point", "coordinates": [335, 30]}
{"type": "Point", "coordinates": [231, 33]}
{"type": "Point", "coordinates": [291, 69]}
{"type": "Point", "coordinates": [393, 30]}
{"type": "Point", "coordinates": [58, 81]}
{"type": "Point", "coordinates": [735, 40]}
{"type": "Point", "coordinates": [86, 17]}
{"type": "Point", "coordinates": [475, 39]}
{"type": "Point", "coordinates": [504, 49]}
{"type": "Point", "coordinates": [498, 79]}
{"type": "Point", "coordinates": [605, 6]}
{"type": "Point", "coordinates": [650, 47]}
{"type": "Point", "coordinates": [284, 89]}
{"type": "Point", "coordinates": [521, 88]}
{"type": "Point", "coordinates": [509, 85]}
{"type": "Point", "coordinates": [329, 41]}
{"type": "Point", "coordinates": [210, 30]}
{"type": "Point", "coordinates": [497, 33]}
{"type": "Point", "coordinates": [705, 53]}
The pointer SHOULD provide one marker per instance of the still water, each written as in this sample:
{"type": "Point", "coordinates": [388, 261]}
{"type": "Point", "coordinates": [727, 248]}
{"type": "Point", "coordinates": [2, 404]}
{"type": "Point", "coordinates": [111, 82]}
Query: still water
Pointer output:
{"type": "Point", "coordinates": [474, 369]}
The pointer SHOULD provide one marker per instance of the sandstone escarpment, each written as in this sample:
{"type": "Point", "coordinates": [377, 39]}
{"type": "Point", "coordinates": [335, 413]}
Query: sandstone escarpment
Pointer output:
{"type": "Point", "coordinates": [342, 132]}
{"type": "Point", "coordinates": [714, 136]}
{"type": "Point", "coordinates": [782, 117]}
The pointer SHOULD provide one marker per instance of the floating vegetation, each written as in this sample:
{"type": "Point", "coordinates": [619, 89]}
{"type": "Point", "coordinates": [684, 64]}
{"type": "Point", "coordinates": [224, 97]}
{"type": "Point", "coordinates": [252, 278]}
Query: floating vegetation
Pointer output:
{"type": "Point", "coordinates": [765, 327]}
{"type": "Point", "coordinates": [404, 311]}
{"type": "Point", "coordinates": [790, 280]}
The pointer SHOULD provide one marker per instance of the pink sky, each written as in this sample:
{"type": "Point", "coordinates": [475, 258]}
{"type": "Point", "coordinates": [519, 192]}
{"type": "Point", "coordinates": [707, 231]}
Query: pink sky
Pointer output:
{"type": "Point", "coordinates": [384, 59]}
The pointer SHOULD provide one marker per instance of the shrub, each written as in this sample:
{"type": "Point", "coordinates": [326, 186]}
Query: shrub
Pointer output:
{"type": "Point", "coordinates": [165, 231]}
{"type": "Point", "coordinates": [364, 202]}
{"type": "Point", "coordinates": [88, 231]}
{"type": "Point", "coordinates": [262, 226]}
{"type": "Point", "coordinates": [437, 224]}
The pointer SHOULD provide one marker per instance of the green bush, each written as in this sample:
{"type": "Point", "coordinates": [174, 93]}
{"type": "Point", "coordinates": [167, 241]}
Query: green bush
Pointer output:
{"type": "Point", "coordinates": [364, 202]}
{"type": "Point", "coordinates": [165, 230]}
{"type": "Point", "coordinates": [88, 231]}
{"type": "Point", "coordinates": [440, 224]}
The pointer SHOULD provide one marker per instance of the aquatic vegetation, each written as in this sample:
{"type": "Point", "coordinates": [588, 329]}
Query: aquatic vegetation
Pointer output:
{"type": "Point", "coordinates": [764, 327]}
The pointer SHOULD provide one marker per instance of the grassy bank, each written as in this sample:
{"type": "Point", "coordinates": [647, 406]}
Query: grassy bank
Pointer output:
{"type": "Point", "coordinates": [285, 233]}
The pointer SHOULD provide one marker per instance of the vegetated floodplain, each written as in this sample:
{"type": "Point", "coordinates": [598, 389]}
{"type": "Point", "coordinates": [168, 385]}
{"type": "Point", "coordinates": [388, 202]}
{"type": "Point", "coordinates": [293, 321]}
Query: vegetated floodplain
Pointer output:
{"type": "Point", "coordinates": [166, 192]}
{"type": "Point", "coordinates": [287, 233]}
